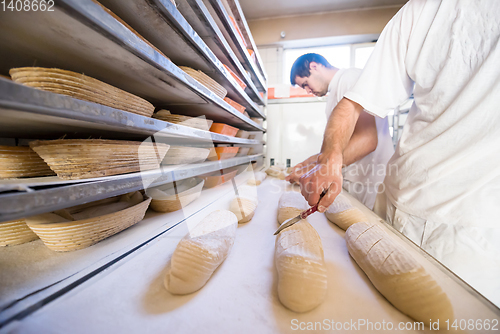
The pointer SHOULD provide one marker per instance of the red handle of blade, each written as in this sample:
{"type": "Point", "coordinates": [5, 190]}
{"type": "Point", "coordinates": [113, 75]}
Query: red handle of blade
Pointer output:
{"type": "Point", "coordinates": [309, 211]}
{"type": "Point", "coordinates": [312, 209]}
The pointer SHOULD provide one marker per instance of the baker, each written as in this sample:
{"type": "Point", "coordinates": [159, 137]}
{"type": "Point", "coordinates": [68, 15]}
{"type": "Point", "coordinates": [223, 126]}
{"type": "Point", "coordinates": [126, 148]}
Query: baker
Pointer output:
{"type": "Point", "coordinates": [370, 146]}
{"type": "Point", "coordinates": [445, 194]}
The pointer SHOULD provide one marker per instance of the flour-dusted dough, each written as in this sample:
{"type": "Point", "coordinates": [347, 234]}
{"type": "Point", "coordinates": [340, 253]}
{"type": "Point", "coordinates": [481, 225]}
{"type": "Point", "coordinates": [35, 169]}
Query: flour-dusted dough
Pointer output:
{"type": "Point", "coordinates": [291, 204]}
{"type": "Point", "coordinates": [301, 268]}
{"type": "Point", "coordinates": [257, 179]}
{"type": "Point", "coordinates": [273, 171]}
{"type": "Point", "coordinates": [277, 172]}
{"type": "Point", "coordinates": [343, 214]}
{"type": "Point", "coordinates": [397, 275]}
{"type": "Point", "coordinates": [200, 252]}
{"type": "Point", "coordinates": [243, 208]}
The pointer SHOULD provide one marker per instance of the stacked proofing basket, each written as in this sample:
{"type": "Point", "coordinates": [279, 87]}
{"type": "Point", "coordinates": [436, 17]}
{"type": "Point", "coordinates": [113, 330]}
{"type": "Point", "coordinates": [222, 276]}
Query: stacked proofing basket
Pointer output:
{"type": "Point", "coordinates": [85, 158]}
{"type": "Point", "coordinates": [84, 225]}
{"type": "Point", "coordinates": [92, 222]}
{"type": "Point", "coordinates": [81, 87]}
{"type": "Point", "coordinates": [206, 81]}
{"type": "Point", "coordinates": [15, 232]}
{"type": "Point", "coordinates": [19, 161]}
{"type": "Point", "coordinates": [175, 196]}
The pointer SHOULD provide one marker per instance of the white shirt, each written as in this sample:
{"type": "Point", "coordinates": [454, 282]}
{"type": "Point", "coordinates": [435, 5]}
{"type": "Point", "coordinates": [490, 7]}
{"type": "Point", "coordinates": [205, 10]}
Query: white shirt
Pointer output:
{"type": "Point", "coordinates": [363, 177]}
{"type": "Point", "coordinates": [448, 157]}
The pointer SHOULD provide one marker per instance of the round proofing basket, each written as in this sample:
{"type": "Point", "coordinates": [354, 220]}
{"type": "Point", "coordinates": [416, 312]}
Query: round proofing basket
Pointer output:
{"type": "Point", "coordinates": [20, 161]}
{"type": "Point", "coordinates": [81, 87]}
{"type": "Point", "coordinates": [206, 81]}
{"type": "Point", "coordinates": [15, 232]}
{"type": "Point", "coordinates": [178, 201]}
{"type": "Point", "coordinates": [192, 122]}
{"type": "Point", "coordinates": [74, 159]}
{"type": "Point", "coordinates": [178, 155]}
{"type": "Point", "coordinates": [74, 235]}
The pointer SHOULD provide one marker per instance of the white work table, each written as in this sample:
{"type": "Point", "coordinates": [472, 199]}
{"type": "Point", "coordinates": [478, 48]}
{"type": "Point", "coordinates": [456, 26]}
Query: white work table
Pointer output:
{"type": "Point", "coordinates": [241, 296]}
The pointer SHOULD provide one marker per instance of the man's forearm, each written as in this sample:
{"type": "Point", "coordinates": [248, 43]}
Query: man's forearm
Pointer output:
{"type": "Point", "coordinates": [363, 141]}
{"type": "Point", "coordinates": [339, 129]}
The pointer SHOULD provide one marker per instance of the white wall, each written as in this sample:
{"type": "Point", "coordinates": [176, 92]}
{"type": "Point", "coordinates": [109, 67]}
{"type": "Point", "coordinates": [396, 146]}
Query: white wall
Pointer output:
{"type": "Point", "coordinates": [295, 131]}
{"type": "Point", "coordinates": [272, 59]}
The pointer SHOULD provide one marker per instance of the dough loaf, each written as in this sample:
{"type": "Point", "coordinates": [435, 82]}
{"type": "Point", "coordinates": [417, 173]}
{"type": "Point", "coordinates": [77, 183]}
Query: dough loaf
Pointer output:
{"type": "Point", "coordinates": [200, 252]}
{"type": "Point", "coordinates": [397, 275]}
{"type": "Point", "coordinates": [258, 178]}
{"type": "Point", "coordinates": [291, 204]}
{"type": "Point", "coordinates": [243, 208]}
{"type": "Point", "coordinates": [343, 214]}
{"type": "Point", "coordinates": [301, 268]}
{"type": "Point", "coordinates": [275, 171]}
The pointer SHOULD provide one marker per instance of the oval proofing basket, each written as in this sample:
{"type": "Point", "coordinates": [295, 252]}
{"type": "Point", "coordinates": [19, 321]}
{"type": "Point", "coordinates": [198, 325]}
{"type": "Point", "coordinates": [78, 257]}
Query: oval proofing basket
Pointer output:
{"type": "Point", "coordinates": [74, 235]}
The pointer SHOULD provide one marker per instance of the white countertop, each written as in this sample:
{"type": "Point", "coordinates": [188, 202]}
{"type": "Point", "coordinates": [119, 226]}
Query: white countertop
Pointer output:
{"type": "Point", "coordinates": [241, 296]}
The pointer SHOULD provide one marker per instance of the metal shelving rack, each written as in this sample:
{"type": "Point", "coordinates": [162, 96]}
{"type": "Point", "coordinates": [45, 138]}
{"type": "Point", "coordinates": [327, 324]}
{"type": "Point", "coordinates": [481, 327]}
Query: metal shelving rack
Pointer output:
{"type": "Point", "coordinates": [221, 17]}
{"type": "Point", "coordinates": [50, 193]}
{"type": "Point", "coordinates": [240, 18]}
{"type": "Point", "coordinates": [28, 112]}
{"type": "Point", "coordinates": [199, 17]}
{"type": "Point", "coordinates": [399, 119]}
{"type": "Point", "coordinates": [83, 37]}
{"type": "Point", "coordinates": [156, 19]}
{"type": "Point", "coordinates": [137, 51]}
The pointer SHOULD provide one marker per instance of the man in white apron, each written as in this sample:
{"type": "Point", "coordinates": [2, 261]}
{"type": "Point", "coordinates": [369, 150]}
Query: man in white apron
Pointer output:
{"type": "Point", "coordinates": [370, 147]}
{"type": "Point", "coordinates": [444, 195]}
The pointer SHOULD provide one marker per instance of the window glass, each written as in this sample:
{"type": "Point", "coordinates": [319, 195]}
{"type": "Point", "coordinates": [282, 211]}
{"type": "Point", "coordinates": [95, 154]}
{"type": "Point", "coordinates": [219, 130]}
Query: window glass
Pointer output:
{"type": "Point", "coordinates": [361, 55]}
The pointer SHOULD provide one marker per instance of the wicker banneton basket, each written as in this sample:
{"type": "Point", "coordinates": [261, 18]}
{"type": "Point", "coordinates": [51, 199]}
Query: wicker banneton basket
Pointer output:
{"type": "Point", "coordinates": [206, 81]}
{"type": "Point", "coordinates": [74, 159]}
{"type": "Point", "coordinates": [175, 197]}
{"type": "Point", "coordinates": [20, 161]}
{"type": "Point", "coordinates": [178, 155]}
{"type": "Point", "coordinates": [15, 232]}
{"type": "Point", "coordinates": [193, 122]}
{"type": "Point", "coordinates": [98, 223]}
{"type": "Point", "coordinates": [81, 87]}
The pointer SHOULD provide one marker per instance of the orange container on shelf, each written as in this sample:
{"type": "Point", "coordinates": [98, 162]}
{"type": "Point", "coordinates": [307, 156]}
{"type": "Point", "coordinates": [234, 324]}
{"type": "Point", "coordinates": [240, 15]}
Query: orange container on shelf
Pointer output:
{"type": "Point", "coordinates": [235, 25]}
{"type": "Point", "coordinates": [235, 105]}
{"type": "Point", "coordinates": [221, 153]}
{"type": "Point", "coordinates": [236, 77]}
{"type": "Point", "coordinates": [251, 53]}
{"type": "Point", "coordinates": [223, 129]}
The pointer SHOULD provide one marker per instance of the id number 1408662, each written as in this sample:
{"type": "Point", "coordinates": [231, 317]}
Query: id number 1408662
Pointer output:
{"type": "Point", "coordinates": [27, 5]}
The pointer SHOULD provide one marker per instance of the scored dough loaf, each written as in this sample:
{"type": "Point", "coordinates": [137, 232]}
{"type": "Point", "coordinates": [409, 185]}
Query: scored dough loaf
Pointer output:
{"type": "Point", "coordinates": [200, 252]}
{"type": "Point", "coordinates": [291, 204]}
{"type": "Point", "coordinates": [343, 214]}
{"type": "Point", "coordinates": [397, 275]}
{"type": "Point", "coordinates": [243, 208]}
{"type": "Point", "coordinates": [301, 267]}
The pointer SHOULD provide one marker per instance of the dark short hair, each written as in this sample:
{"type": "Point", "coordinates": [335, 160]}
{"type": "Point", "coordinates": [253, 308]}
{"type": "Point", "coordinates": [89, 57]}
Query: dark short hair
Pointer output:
{"type": "Point", "coordinates": [301, 66]}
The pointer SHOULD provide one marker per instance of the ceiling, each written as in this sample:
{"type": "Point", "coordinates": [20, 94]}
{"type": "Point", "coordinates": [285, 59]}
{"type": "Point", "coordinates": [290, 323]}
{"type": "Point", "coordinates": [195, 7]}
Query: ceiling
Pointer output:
{"type": "Point", "coordinates": [259, 9]}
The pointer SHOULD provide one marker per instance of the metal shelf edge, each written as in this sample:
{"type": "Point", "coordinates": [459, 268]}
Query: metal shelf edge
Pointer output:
{"type": "Point", "coordinates": [20, 205]}
{"type": "Point", "coordinates": [30, 100]}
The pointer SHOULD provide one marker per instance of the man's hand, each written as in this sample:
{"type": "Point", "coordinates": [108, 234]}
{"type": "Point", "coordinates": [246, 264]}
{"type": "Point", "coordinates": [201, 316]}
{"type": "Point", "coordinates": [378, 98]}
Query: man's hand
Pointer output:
{"type": "Point", "coordinates": [326, 173]}
{"type": "Point", "coordinates": [301, 168]}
